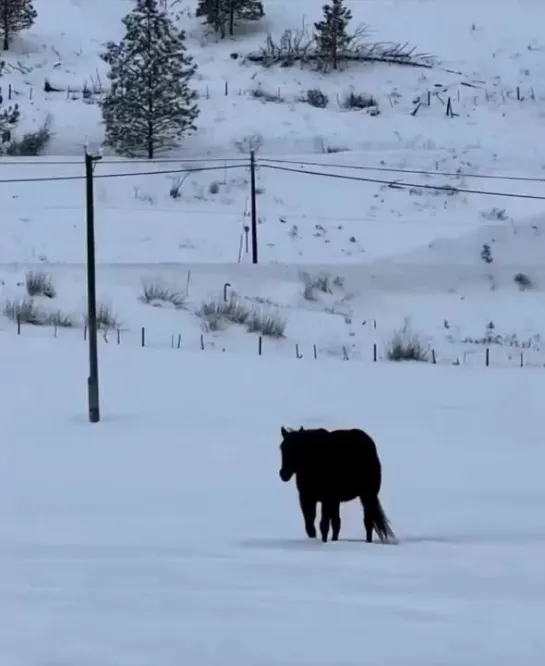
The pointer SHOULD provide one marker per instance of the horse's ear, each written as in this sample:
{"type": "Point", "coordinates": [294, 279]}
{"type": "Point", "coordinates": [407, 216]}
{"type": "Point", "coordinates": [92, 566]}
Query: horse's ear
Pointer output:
{"type": "Point", "coordinates": [283, 431]}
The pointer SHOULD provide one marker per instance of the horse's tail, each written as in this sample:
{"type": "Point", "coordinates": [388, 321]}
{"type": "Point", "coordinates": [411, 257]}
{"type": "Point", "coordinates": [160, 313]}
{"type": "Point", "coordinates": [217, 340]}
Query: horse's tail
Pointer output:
{"type": "Point", "coordinates": [382, 526]}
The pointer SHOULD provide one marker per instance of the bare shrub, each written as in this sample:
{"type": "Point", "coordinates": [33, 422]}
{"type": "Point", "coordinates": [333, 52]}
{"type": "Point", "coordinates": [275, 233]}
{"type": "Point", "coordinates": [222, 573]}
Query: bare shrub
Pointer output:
{"type": "Point", "coordinates": [406, 345]}
{"type": "Point", "coordinates": [259, 93]}
{"type": "Point", "coordinates": [267, 322]}
{"type": "Point", "coordinates": [218, 310]}
{"type": "Point", "coordinates": [524, 281]}
{"type": "Point", "coordinates": [59, 319]}
{"type": "Point", "coordinates": [155, 293]}
{"type": "Point", "coordinates": [175, 191]}
{"type": "Point", "coordinates": [39, 283]}
{"type": "Point", "coordinates": [322, 282]}
{"type": "Point", "coordinates": [32, 143]}
{"type": "Point", "coordinates": [317, 98]}
{"type": "Point", "coordinates": [107, 320]}
{"type": "Point", "coordinates": [359, 101]}
{"type": "Point", "coordinates": [25, 311]}
{"type": "Point", "coordinates": [495, 214]}
{"type": "Point", "coordinates": [249, 143]}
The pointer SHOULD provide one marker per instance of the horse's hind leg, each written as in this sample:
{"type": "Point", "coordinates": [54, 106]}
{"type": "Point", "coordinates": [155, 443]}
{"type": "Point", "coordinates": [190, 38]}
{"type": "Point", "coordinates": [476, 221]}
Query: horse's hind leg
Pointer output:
{"type": "Point", "coordinates": [335, 518]}
{"type": "Point", "coordinates": [368, 517]}
{"type": "Point", "coordinates": [324, 521]}
{"type": "Point", "coordinates": [331, 515]}
{"type": "Point", "coordinates": [308, 509]}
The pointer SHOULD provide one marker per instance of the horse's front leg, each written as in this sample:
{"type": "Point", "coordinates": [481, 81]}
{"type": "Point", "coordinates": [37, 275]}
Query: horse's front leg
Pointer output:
{"type": "Point", "coordinates": [308, 509]}
{"type": "Point", "coordinates": [335, 520]}
{"type": "Point", "coordinates": [325, 520]}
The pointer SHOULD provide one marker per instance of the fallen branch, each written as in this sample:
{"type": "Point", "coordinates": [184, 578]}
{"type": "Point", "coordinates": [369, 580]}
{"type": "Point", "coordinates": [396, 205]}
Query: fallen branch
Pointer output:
{"type": "Point", "coordinates": [289, 60]}
{"type": "Point", "coordinates": [299, 47]}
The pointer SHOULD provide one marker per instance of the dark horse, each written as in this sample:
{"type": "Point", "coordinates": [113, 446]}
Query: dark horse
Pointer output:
{"type": "Point", "coordinates": [333, 467]}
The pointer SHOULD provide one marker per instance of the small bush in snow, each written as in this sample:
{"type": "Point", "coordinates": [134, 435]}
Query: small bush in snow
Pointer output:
{"type": "Point", "coordinates": [59, 319]}
{"type": "Point", "coordinates": [322, 282]}
{"type": "Point", "coordinates": [106, 318]}
{"type": "Point", "coordinates": [176, 188]}
{"type": "Point", "coordinates": [39, 283]}
{"type": "Point", "coordinates": [25, 311]}
{"type": "Point", "coordinates": [218, 310]}
{"type": "Point", "coordinates": [359, 101]}
{"type": "Point", "coordinates": [155, 293]}
{"type": "Point", "coordinates": [214, 187]}
{"type": "Point", "coordinates": [316, 98]}
{"type": "Point", "coordinates": [486, 254]}
{"type": "Point", "coordinates": [249, 143]}
{"type": "Point", "coordinates": [259, 93]}
{"type": "Point", "coordinates": [495, 214]}
{"type": "Point", "coordinates": [524, 281]}
{"type": "Point", "coordinates": [405, 345]}
{"type": "Point", "coordinates": [32, 143]}
{"type": "Point", "coordinates": [267, 323]}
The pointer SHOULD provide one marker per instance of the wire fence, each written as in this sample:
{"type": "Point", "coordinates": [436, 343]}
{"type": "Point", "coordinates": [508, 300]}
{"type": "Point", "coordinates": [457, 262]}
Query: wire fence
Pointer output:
{"type": "Point", "coordinates": [490, 356]}
{"type": "Point", "coordinates": [462, 94]}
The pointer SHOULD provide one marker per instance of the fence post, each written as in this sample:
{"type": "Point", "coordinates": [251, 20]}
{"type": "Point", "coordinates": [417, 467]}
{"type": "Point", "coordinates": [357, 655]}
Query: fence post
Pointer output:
{"type": "Point", "coordinates": [253, 197]}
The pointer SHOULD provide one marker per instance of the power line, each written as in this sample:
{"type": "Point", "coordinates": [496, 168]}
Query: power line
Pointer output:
{"type": "Point", "coordinates": [227, 161]}
{"type": "Point", "coordinates": [11, 161]}
{"type": "Point", "coordinates": [51, 179]}
{"type": "Point", "coordinates": [411, 171]}
{"type": "Point", "coordinates": [403, 185]}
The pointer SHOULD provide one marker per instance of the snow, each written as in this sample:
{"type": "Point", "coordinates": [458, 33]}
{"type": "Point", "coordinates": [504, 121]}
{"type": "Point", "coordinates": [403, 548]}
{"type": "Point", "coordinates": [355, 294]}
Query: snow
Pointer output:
{"type": "Point", "coordinates": [163, 535]}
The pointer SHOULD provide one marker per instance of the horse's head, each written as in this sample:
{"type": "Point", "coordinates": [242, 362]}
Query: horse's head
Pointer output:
{"type": "Point", "coordinates": [289, 449]}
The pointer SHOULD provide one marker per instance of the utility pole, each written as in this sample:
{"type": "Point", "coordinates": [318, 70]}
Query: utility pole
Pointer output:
{"type": "Point", "coordinates": [92, 381]}
{"type": "Point", "coordinates": [253, 197]}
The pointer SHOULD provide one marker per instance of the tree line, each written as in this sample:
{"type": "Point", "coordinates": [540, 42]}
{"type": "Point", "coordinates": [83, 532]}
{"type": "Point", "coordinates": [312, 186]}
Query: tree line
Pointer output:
{"type": "Point", "coordinates": [150, 104]}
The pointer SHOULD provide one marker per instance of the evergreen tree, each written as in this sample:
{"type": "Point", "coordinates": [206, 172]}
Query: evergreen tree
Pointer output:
{"type": "Point", "coordinates": [15, 15]}
{"type": "Point", "coordinates": [9, 117]}
{"type": "Point", "coordinates": [331, 34]}
{"type": "Point", "coordinates": [215, 14]}
{"type": "Point", "coordinates": [150, 105]}
{"type": "Point", "coordinates": [222, 15]}
{"type": "Point", "coordinates": [244, 10]}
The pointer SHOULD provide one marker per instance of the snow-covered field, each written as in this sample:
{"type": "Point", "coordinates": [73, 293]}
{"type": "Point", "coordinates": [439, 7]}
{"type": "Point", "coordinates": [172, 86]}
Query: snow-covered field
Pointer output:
{"type": "Point", "coordinates": [163, 535]}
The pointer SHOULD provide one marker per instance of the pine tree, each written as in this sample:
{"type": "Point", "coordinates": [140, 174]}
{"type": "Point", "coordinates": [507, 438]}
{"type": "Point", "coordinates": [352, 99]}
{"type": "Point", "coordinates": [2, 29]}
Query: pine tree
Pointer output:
{"type": "Point", "coordinates": [9, 117]}
{"type": "Point", "coordinates": [15, 15]}
{"type": "Point", "coordinates": [331, 34]}
{"type": "Point", "coordinates": [150, 105]}
{"type": "Point", "coordinates": [215, 14]}
{"type": "Point", "coordinates": [222, 15]}
{"type": "Point", "coordinates": [244, 10]}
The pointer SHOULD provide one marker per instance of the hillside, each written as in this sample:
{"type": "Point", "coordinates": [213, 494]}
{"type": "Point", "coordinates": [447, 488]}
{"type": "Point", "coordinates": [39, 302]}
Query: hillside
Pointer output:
{"type": "Point", "coordinates": [368, 213]}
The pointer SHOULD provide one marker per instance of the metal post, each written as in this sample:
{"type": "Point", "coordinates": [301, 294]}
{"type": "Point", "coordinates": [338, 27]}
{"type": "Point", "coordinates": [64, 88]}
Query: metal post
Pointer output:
{"type": "Point", "coordinates": [253, 196]}
{"type": "Point", "coordinates": [92, 382]}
